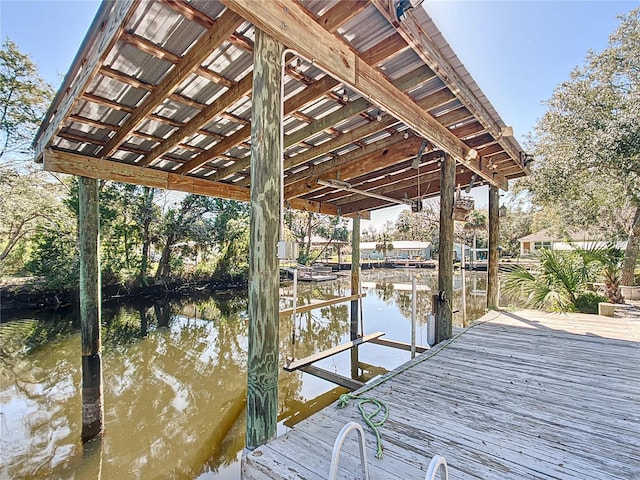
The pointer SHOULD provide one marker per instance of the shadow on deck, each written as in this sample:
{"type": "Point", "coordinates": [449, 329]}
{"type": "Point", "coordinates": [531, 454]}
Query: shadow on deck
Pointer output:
{"type": "Point", "coordinates": [522, 395]}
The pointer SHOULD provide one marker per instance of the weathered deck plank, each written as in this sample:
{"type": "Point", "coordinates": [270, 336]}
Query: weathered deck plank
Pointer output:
{"type": "Point", "coordinates": [525, 395]}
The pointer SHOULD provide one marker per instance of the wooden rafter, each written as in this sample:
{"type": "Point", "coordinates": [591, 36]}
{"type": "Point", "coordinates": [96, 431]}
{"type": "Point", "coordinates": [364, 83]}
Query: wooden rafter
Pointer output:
{"type": "Point", "coordinates": [115, 16]}
{"type": "Point", "coordinates": [210, 40]}
{"type": "Point", "coordinates": [364, 160]}
{"type": "Point", "coordinates": [412, 30]}
{"type": "Point", "coordinates": [74, 164]}
{"type": "Point", "coordinates": [376, 54]}
{"type": "Point", "coordinates": [235, 93]}
{"type": "Point", "coordinates": [289, 23]}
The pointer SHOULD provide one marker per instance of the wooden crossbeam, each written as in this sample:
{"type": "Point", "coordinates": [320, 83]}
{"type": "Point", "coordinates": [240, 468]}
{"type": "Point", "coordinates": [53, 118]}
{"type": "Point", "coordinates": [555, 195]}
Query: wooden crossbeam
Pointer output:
{"type": "Point", "coordinates": [74, 164]}
{"type": "Point", "coordinates": [114, 17]}
{"type": "Point", "coordinates": [399, 345]}
{"type": "Point", "coordinates": [288, 22]}
{"type": "Point", "coordinates": [376, 54]}
{"type": "Point", "coordinates": [332, 377]}
{"type": "Point", "coordinates": [413, 31]}
{"type": "Point", "coordinates": [242, 88]}
{"type": "Point", "coordinates": [322, 304]}
{"type": "Point", "coordinates": [197, 54]}
{"type": "Point", "coordinates": [303, 362]}
{"type": "Point", "coordinates": [371, 157]}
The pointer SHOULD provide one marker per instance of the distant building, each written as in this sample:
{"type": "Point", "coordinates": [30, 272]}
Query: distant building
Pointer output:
{"type": "Point", "coordinates": [547, 239]}
{"type": "Point", "coordinates": [401, 250]}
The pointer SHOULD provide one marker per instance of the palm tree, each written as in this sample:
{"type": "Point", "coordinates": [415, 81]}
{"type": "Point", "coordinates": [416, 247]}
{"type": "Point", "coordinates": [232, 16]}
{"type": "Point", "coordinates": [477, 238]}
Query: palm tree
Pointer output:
{"type": "Point", "coordinates": [562, 278]}
{"type": "Point", "coordinates": [609, 261]}
{"type": "Point", "coordinates": [384, 246]}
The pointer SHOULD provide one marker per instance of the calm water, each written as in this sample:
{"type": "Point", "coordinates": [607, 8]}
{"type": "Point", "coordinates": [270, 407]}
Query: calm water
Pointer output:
{"type": "Point", "coordinates": [175, 377]}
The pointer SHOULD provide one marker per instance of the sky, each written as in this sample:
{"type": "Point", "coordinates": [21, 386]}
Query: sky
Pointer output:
{"type": "Point", "coordinates": [517, 51]}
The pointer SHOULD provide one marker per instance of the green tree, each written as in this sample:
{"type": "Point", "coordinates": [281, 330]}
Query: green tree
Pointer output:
{"type": "Point", "coordinates": [231, 233]}
{"type": "Point", "coordinates": [562, 278]}
{"type": "Point", "coordinates": [24, 99]}
{"type": "Point", "coordinates": [305, 225]}
{"type": "Point", "coordinates": [191, 220]}
{"type": "Point", "coordinates": [587, 145]}
{"type": "Point", "coordinates": [28, 199]}
{"type": "Point", "coordinates": [517, 223]}
{"type": "Point", "coordinates": [418, 226]}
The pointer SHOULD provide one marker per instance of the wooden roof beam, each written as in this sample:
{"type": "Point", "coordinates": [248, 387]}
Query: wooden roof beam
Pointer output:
{"type": "Point", "coordinates": [352, 164]}
{"type": "Point", "coordinates": [341, 13]}
{"type": "Point", "coordinates": [288, 22]}
{"type": "Point", "coordinates": [386, 183]}
{"type": "Point", "coordinates": [108, 24]}
{"type": "Point", "coordinates": [379, 148]}
{"type": "Point", "coordinates": [412, 30]}
{"type": "Point", "coordinates": [311, 93]}
{"type": "Point", "coordinates": [297, 101]}
{"type": "Point", "coordinates": [74, 164]}
{"type": "Point", "coordinates": [193, 59]}
{"type": "Point", "coordinates": [398, 187]}
{"type": "Point", "coordinates": [235, 93]}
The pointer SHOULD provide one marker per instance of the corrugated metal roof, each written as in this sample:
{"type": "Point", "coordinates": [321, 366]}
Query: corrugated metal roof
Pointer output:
{"type": "Point", "coordinates": [157, 35]}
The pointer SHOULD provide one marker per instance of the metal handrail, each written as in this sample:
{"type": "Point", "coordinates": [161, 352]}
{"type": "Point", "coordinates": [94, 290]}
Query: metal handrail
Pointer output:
{"type": "Point", "coordinates": [438, 464]}
{"type": "Point", "coordinates": [337, 446]}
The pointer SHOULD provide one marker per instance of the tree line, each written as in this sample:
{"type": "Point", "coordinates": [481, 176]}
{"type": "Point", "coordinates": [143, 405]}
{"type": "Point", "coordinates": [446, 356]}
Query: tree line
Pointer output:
{"type": "Point", "coordinates": [586, 176]}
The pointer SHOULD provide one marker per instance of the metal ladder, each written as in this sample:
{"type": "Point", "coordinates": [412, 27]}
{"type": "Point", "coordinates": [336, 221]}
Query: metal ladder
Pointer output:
{"type": "Point", "coordinates": [437, 465]}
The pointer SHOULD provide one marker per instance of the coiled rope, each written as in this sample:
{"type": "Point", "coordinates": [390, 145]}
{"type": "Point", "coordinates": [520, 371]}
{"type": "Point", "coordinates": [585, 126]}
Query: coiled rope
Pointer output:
{"type": "Point", "coordinates": [343, 400]}
{"type": "Point", "coordinates": [369, 417]}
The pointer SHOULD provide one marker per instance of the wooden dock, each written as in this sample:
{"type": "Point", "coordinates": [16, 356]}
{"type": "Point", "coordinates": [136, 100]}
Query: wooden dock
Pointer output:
{"type": "Point", "coordinates": [523, 395]}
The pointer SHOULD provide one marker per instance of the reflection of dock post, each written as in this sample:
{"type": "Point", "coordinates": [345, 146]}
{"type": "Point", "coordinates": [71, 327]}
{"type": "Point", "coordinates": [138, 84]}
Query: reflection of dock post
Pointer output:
{"type": "Point", "coordinates": [263, 351]}
{"type": "Point", "coordinates": [463, 276]}
{"type": "Point", "coordinates": [355, 289]}
{"type": "Point", "coordinates": [492, 263]}
{"type": "Point", "coordinates": [89, 224]}
{"type": "Point", "coordinates": [414, 314]}
{"type": "Point", "coordinates": [444, 328]}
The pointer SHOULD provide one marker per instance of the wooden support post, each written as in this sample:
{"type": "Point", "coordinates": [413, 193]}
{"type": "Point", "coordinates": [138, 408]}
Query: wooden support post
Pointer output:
{"type": "Point", "coordinates": [263, 354]}
{"type": "Point", "coordinates": [492, 265]}
{"type": "Point", "coordinates": [89, 225]}
{"type": "Point", "coordinates": [444, 328]}
{"type": "Point", "coordinates": [355, 290]}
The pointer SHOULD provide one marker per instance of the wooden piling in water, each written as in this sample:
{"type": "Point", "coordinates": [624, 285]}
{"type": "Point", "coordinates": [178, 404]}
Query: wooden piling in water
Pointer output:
{"type": "Point", "coordinates": [492, 264]}
{"type": "Point", "coordinates": [90, 312]}
{"type": "Point", "coordinates": [444, 328]}
{"type": "Point", "coordinates": [355, 290]}
{"type": "Point", "coordinates": [263, 354]}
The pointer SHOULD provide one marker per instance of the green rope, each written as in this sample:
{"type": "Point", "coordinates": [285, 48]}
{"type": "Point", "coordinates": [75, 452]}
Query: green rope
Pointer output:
{"type": "Point", "coordinates": [370, 417]}
{"type": "Point", "coordinates": [343, 401]}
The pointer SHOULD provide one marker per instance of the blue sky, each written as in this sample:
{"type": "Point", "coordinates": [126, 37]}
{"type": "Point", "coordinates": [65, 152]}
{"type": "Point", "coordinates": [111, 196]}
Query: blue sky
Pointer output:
{"type": "Point", "coordinates": [517, 51]}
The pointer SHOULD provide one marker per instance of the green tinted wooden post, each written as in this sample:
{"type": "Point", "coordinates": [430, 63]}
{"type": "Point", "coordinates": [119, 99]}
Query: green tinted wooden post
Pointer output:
{"type": "Point", "coordinates": [88, 227]}
{"type": "Point", "coordinates": [444, 328]}
{"type": "Point", "coordinates": [262, 381]}
{"type": "Point", "coordinates": [355, 289]}
{"type": "Point", "coordinates": [492, 265]}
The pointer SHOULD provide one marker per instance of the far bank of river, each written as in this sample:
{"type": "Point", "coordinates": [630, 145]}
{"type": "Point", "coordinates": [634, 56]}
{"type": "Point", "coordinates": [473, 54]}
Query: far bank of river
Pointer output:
{"type": "Point", "coordinates": [175, 376]}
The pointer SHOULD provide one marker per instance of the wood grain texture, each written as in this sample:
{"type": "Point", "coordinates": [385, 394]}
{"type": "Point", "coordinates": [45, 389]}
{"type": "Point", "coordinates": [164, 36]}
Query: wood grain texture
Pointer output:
{"type": "Point", "coordinates": [73, 164]}
{"type": "Point", "coordinates": [521, 395]}
{"type": "Point", "coordinates": [90, 307]}
{"type": "Point", "coordinates": [208, 42]}
{"type": "Point", "coordinates": [264, 274]}
{"type": "Point", "coordinates": [116, 16]}
{"type": "Point", "coordinates": [444, 314]}
{"type": "Point", "coordinates": [287, 21]}
{"type": "Point", "coordinates": [494, 232]}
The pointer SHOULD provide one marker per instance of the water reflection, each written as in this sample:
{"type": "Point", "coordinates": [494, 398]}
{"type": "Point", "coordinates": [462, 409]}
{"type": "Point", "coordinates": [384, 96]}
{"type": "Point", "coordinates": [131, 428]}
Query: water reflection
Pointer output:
{"type": "Point", "coordinates": [175, 377]}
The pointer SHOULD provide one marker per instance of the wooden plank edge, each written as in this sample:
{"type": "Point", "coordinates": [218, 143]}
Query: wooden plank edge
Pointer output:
{"type": "Point", "coordinates": [324, 303]}
{"type": "Point", "coordinates": [303, 362]}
